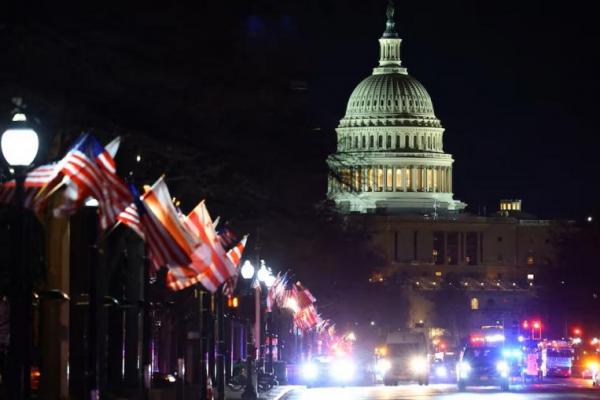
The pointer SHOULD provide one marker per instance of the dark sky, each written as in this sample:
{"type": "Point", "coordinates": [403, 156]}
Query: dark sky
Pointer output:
{"type": "Point", "coordinates": [514, 83]}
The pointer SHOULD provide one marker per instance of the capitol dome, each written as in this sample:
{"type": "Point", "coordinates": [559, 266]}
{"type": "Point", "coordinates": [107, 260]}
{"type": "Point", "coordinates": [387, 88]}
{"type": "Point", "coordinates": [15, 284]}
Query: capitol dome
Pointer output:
{"type": "Point", "coordinates": [390, 156]}
{"type": "Point", "coordinates": [393, 95]}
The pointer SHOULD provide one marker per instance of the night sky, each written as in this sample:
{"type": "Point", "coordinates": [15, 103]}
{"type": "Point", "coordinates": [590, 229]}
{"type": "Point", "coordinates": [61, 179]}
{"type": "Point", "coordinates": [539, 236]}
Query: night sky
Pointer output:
{"type": "Point", "coordinates": [258, 84]}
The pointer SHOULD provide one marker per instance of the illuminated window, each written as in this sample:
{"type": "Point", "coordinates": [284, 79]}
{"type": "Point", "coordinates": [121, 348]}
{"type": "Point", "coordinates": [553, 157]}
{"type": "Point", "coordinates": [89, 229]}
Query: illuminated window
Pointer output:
{"type": "Point", "coordinates": [389, 181]}
{"type": "Point", "coordinates": [407, 178]}
{"type": "Point", "coordinates": [379, 179]}
{"type": "Point", "coordinates": [474, 303]}
{"type": "Point", "coordinates": [530, 277]}
{"type": "Point", "coordinates": [346, 178]}
{"type": "Point", "coordinates": [357, 180]}
{"type": "Point", "coordinates": [399, 178]}
{"type": "Point", "coordinates": [530, 260]}
{"type": "Point", "coordinates": [369, 179]}
{"type": "Point", "coordinates": [429, 179]}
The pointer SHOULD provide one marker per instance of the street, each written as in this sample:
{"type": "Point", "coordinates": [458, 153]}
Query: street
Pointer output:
{"type": "Point", "coordinates": [557, 389]}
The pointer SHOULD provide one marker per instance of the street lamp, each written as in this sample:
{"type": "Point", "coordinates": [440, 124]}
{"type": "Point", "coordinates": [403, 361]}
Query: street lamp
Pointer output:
{"type": "Point", "coordinates": [20, 144]}
{"type": "Point", "coordinates": [250, 392]}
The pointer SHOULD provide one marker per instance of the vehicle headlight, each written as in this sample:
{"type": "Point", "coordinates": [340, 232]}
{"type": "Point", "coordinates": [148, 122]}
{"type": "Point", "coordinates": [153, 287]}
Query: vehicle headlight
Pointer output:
{"type": "Point", "coordinates": [418, 365]}
{"type": "Point", "coordinates": [503, 368]}
{"type": "Point", "coordinates": [383, 366]}
{"type": "Point", "coordinates": [343, 370]}
{"type": "Point", "coordinates": [310, 370]}
{"type": "Point", "coordinates": [464, 369]}
{"type": "Point", "coordinates": [441, 371]}
{"type": "Point", "coordinates": [593, 366]}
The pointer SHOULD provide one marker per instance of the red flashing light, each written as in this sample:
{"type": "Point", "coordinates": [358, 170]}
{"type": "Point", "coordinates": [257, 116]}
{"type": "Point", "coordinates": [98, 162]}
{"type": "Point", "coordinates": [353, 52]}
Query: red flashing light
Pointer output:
{"type": "Point", "coordinates": [537, 325]}
{"type": "Point", "coordinates": [525, 324]}
{"type": "Point", "coordinates": [477, 340]}
{"type": "Point", "coordinates": [577, 331]}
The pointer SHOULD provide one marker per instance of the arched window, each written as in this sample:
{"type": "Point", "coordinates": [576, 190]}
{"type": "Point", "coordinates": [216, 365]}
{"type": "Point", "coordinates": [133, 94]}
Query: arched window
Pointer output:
{"type": "Point", "coordinates": [364, 142]}
{"type": "Point", "coordinates": [356, 142]}
{"type": "Point", "coordinates": [397, 141]}
{"type": "Point", "coordinates": [388, 143]}
{"type": "Point", "coordinates": [371, 142]}
{"type": "Point", "coordinates": [406, 144]}
{"type": "Point", "coordinates": [380, 141]}
{"type": "Point", "coordinates": [474, 303]}
{"type": "Point", "coordinates": [429, 142]}
{"type": "Point", "coordinates": [422, 142]}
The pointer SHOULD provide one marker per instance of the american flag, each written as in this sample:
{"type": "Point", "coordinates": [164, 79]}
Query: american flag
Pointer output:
{"type": "Point", "coordinates": [235, 255]}
{"type": "Point", "coordinates": [169, 241]}
{"type": "Point", "coordinates": [89, 170]}
{"type": "Point", "coordinates": [307, 318]}
{"type": "Point", "coordinates": [35, 180]}
{"type": "Point", "coordinates": [276, 294]}
{"type": "Point", "coordinates": [212, 263]}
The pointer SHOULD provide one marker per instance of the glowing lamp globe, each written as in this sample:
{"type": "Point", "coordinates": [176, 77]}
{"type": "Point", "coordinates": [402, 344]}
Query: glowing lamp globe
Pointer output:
{"type": "Point", "coordinates": [247, 270]}
{"type": "Point", "coordinates": [20, 143]}
{"type": "Point", "coordinates": [263, 272]}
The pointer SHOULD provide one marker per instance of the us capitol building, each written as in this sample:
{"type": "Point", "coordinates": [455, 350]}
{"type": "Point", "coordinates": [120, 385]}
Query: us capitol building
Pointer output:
{"type": "Point", "coordinates": [390, 153]}
{"type": "Point", "coordinates": [391, 176]}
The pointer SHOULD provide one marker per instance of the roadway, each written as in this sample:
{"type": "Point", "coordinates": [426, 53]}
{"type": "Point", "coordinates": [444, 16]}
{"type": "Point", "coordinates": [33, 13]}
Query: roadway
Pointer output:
{"type": "Point", "coordinates": [563, 389]}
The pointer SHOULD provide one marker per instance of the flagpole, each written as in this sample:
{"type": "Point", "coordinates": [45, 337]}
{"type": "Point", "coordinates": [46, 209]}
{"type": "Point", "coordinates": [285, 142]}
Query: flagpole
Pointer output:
{"type": "Point", "coordinates": [96, 256]}
{"type": "Point", "coordinates": [221, 350]}
{"type": "Point", "coordinates": [202, 344]}
{"type": "Point", "coordinates": [146, 373]}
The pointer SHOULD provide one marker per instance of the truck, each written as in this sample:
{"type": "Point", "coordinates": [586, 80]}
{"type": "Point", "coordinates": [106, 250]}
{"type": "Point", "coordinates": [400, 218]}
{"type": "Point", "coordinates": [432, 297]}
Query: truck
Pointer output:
{"type": "Point", "coordinates": [406, 358]}
{"type": "Point", "coordinates": [557, 356]}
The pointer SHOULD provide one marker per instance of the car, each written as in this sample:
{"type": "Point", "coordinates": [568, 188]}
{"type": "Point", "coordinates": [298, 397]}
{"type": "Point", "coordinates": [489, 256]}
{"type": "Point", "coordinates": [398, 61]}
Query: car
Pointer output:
{"type": "Point", "coordinates": [442, 371]}
{"type": "Point", "coordinates": [483, 366]}
{"type": "Point", "coordinates": [335, 371]}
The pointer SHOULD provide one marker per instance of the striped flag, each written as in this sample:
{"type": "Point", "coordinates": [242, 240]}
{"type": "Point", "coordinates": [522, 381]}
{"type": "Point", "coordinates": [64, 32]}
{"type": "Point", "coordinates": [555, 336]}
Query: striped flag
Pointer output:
{"type": "Point", "coordinates": [276, 294]}
{"type": "Point", "coordinates": [235, 255]}
{"type": "Point", "coordinates": [35, 180]}
{"type": "Point", "coordinates": [212, 263]}
{"type": "Point", "coordinates": [89, 170]}
{"type": "Point", "coordinates": [169, 241]}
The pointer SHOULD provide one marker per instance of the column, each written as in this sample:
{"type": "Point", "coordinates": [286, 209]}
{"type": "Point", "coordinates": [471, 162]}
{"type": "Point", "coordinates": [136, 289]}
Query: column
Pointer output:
{"type": "Point", "coordinates": [413, 180]}
{"type": "Point", "coordinates": [394, 183]}
{"type": "Point", "coordinates": [403, 175]}
{"type": "Point", "coordinates": [449, 180]}
{"type": "Point", "coordinates": [426, 181]}
{"type": "Point", "coordinates": [434, 178]}
{"type": "Point", "coordinates": [443, 179]}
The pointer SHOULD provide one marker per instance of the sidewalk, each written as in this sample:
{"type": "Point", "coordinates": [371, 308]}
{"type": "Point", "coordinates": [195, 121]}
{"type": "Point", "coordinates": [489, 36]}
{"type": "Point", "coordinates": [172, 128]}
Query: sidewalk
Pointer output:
{"type": "Point", "coordinates": [277, 393]}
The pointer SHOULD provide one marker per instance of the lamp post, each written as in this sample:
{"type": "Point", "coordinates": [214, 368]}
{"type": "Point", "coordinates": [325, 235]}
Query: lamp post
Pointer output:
{"type": "Point", "coordinates": [265, 276]}
{"type": "Point", "coordinates": [20, 145]}
{"type": "Point", "coordinates": [250, 392]}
